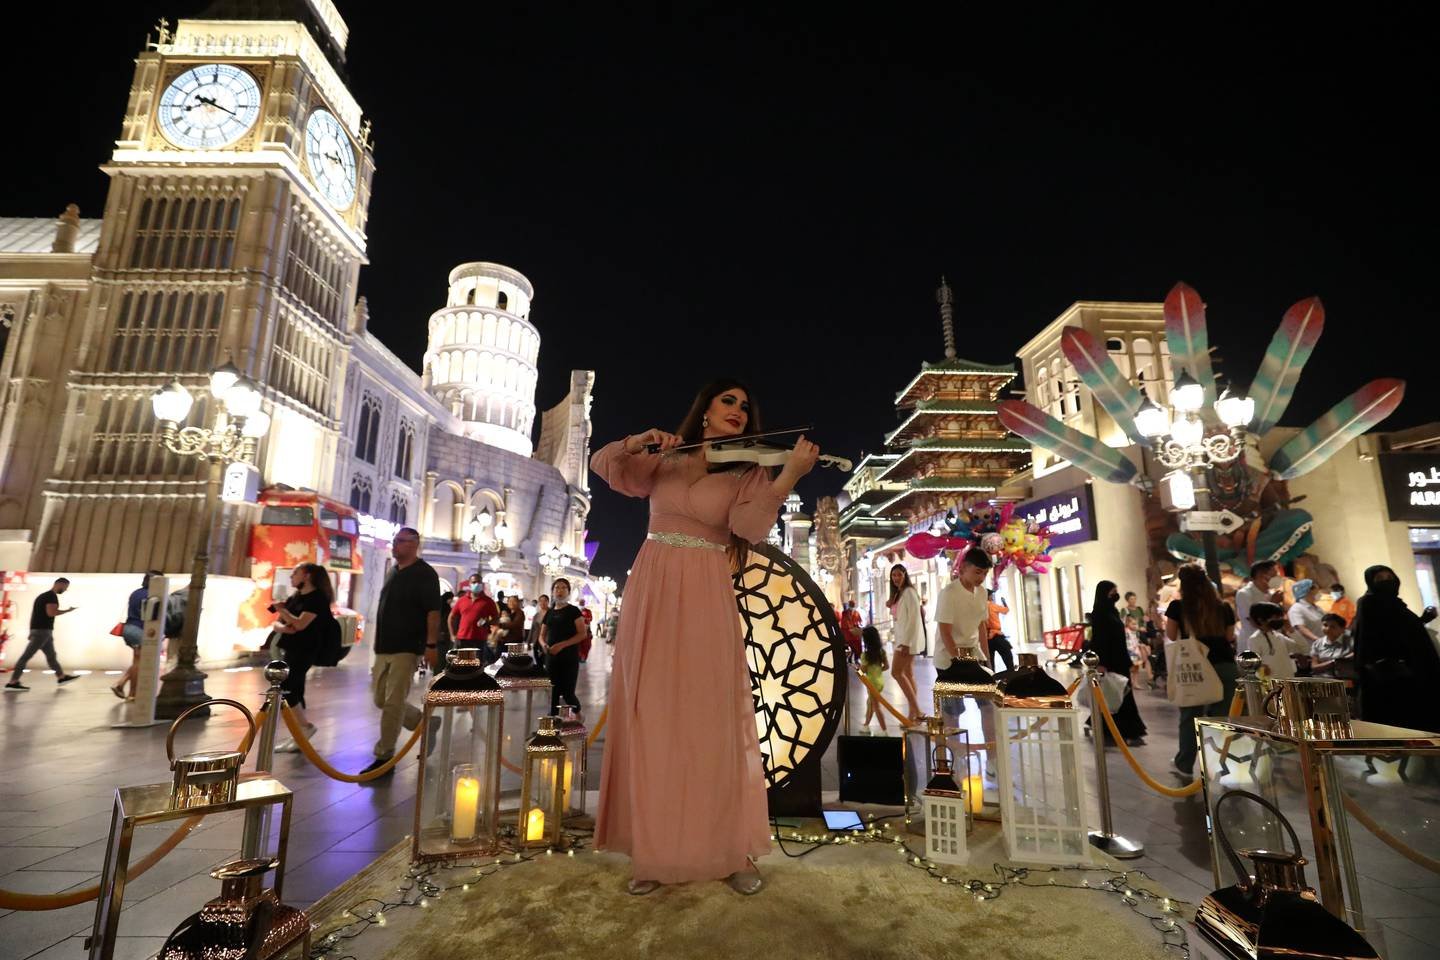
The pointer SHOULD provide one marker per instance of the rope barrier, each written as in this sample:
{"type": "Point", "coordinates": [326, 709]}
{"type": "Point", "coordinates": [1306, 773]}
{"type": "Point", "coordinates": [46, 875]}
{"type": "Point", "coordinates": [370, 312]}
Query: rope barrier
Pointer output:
{"type": "Point", "coordinates": [1189, 790]}
{"type": "Point", "coordinates": [1389, 839]}
{"type": "Point", "coordinates": [600, 725]}
{"type": "Point", "coordinates": [324, 766]}
{"type": "Point", "coordinates": [10, 900]}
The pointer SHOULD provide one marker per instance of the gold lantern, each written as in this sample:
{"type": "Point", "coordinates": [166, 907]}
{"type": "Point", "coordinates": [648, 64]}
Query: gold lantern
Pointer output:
{"type": "Point", "coordinates": [542, 791]}
{"type": "Point", "coordinates": [457, 801]}
{"type": "Point", "coordinates": [577, 742]}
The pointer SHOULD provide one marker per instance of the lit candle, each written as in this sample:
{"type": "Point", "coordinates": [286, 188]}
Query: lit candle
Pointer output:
{"type": "Point", "coordinates": [467, 808]}
{"type": "Point", "coordinates": [565, 789]}
{"type": "Point", "coordinates": [535, 824]}
{"type": "Point", "coordinates": [975, 793]}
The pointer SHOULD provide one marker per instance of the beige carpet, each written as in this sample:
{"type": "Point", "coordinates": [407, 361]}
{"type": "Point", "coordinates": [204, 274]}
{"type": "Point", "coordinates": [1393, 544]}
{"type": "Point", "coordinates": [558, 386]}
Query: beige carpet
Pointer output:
{"type": "Point", "coordinates": [860, 902]}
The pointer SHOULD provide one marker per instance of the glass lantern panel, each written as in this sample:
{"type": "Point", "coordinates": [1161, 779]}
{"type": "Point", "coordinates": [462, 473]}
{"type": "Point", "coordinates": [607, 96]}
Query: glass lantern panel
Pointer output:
{"type": "Point", "coordinates": [457, 781]}
{"type": "Point", "coordinates": [541, 801]}
{"type": "Point", "coordinates": [1042, 794]}
{"type": "Point", "coordinates": [574, 783]}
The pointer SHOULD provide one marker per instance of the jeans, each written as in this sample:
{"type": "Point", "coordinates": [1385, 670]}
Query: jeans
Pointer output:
{"type": "Point", "coordinates": [564, 674]}
{"type": "Point", "coordinates": [1000, 644]}
{"type": "Point", "coordinates": [1189, 744]}
{"type": "Point", "coordinates": [390, 683]}
{"type": "Point", "coordinates": [41, 641]}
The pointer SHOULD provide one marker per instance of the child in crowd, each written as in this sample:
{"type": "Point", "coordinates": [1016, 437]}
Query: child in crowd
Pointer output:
{"type": "Point", "coordinates": [874, 664]}
{"type": "Point", "coordinates": [1333, 655]}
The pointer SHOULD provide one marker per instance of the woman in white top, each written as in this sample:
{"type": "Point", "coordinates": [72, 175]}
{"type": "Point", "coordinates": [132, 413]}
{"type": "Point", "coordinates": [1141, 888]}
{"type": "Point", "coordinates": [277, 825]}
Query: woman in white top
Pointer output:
{"type": "Point", "coordinates": [909, 634]}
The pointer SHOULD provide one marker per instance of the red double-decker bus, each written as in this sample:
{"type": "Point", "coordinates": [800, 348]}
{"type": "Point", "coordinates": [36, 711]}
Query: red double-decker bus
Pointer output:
{"type": "Point", "coordinates": [295, 527]}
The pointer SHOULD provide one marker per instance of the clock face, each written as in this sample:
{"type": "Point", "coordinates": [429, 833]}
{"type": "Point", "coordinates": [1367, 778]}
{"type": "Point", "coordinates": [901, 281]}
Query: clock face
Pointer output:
{"type": "Point", "coordinates": [209, 106]}
{"type": "Point", "coordinates": [332, 158]}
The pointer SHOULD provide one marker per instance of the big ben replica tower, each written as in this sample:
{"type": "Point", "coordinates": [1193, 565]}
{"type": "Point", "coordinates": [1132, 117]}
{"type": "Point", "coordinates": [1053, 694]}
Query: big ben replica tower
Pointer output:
{"type": "Point", "coordinates": [234, 230]}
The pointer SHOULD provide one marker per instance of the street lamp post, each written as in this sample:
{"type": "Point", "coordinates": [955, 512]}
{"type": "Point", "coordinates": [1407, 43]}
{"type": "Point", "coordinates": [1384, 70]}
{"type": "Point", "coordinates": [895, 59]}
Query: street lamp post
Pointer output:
{"type": "Point", "coordinates": [1190, 452]}
{"type": "Point", "coordinates": [238, 424]}
{"type": "Point", "coordinates": [605, 586]}
{"type": "Point", "coordinates": [554, 560]}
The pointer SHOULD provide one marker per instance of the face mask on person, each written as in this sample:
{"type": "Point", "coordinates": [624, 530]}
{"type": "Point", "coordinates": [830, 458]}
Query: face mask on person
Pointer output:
{"type": "Point", "coordinates": [1114, 598]}
{"type": "Point", "coordinates": [476, 590]}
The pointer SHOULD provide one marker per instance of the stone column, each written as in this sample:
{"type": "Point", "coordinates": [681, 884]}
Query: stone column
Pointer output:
{"type": "Point", "coordinates": [427, 503]}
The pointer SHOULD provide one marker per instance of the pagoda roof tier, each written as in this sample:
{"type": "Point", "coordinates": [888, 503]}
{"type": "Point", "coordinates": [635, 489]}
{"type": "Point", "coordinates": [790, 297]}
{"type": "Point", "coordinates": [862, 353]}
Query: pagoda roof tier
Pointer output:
{"type": "Point", "coordinates": [934, 485]}
{"type": "Point", "coordinates": [996, 376]}
{"type": "Point", "coordinates": [920, 423]}
{"type": "Point", "coordinates": [942, 451]}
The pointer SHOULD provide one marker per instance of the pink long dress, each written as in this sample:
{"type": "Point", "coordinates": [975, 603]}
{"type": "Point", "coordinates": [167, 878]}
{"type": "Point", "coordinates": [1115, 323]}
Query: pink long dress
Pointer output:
{"type": "Point", "coordinates": [682, 788]}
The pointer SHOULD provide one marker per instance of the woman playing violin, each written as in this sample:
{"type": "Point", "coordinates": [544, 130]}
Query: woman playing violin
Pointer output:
{"type": "Point", "coordinates": [682, 787]}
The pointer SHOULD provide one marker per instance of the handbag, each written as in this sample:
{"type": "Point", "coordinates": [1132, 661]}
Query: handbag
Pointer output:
{"type": "Point", "coordinates": [1190, 678]}
{"type": "Point", "coordinates": [118, 630]}
{"type": "Point", "coordinates": [1112, 686]}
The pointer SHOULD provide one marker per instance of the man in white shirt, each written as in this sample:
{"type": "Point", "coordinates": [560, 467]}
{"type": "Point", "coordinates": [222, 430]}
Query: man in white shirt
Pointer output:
{"type": "Point", "coordinates": [963, 615]}
{"type": "Point", "coordinates": [1258, 590]}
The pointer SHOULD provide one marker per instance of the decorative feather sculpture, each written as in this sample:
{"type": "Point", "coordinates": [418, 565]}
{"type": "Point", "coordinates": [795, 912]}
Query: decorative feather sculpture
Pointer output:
{"type": "Point", "coordinates": [1044, 431]}
{"type": "Point", "coordinates": [1097, 371]}
{"type": "Point", "coordinates": [1189, 342]}
{"type": "Point", "coordinates": [1344, 422]}
{"type": "Point", "coordinates": [1284, 359]}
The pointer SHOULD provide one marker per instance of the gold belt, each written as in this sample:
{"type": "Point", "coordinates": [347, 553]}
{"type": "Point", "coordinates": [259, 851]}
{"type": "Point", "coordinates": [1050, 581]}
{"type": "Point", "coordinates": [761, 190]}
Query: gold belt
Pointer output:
{"type": "Point", "coordinates": [684, 540]}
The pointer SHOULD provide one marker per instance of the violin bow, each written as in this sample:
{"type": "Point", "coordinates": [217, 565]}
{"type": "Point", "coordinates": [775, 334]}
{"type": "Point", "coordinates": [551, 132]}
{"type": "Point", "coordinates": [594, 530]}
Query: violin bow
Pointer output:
{"type": "Point", "coordinates": [655, 447]}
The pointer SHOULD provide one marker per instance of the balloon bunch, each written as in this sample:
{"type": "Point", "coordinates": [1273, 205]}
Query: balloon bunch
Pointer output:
{"type": "Point", "coordinates": [969, 527]}
{"type": "Point", "coordinates": [1023, 543]}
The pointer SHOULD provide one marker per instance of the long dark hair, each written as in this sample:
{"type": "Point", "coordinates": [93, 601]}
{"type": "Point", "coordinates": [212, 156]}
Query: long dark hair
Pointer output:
{"type": "Point", "coordinates": [895, 592]}
{"type": "Point", "coordinates": [319, 578]}
{"type": "Point", "coordinates": [692, 430]}
{"type": "Point", "coordinates": [874, 649]}
{"type": "Point", "coordinates": [1203, 609]}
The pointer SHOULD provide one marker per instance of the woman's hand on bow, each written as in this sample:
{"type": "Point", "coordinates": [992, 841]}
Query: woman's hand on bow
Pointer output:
{"type": "Point", "coordinates": [637, 443]}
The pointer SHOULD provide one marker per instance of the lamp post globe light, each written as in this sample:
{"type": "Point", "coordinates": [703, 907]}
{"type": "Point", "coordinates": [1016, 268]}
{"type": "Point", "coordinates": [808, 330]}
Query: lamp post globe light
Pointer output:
{"type": "Point", "coordinates": [1184, 444]}
{"type": "Point", "coordinates": [231, 438]}
{"type": "Point", "coordinates": [554, 560]}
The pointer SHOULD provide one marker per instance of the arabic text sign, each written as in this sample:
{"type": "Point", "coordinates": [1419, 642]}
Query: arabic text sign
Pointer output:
{"type": "Point", "coordinates": [1070, 515]}
{"type": "Point", "coordinates": [1412, 486]}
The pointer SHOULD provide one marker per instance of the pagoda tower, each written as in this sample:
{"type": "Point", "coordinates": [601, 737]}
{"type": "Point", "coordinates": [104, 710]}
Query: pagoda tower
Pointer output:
{"type": "Point", "coordinates": [950, 447]}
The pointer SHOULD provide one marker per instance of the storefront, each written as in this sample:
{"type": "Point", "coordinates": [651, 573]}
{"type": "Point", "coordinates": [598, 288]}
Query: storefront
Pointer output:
{"type": "Point", "coordinates": [1097, 533]}
{"type": "Point", "coordinates": [1412, 497]}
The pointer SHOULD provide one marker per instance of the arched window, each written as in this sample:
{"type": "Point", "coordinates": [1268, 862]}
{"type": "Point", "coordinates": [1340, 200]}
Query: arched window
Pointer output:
{"type": "Point", "coordinates": [403, 445]}
{"type": "Point", "coordinates": [502, 301]}
{"type": "Point", "coordinates": [397, 509]}
{"type": "Point", "coordinates": [470, 297]}
{"type": "Point", "coordinates": [367, 437]}
{"type": "Point", "coordinates": [360, 494]}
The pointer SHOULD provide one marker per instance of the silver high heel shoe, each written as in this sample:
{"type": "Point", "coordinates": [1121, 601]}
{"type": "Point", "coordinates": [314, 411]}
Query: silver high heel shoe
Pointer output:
{"type": "Point", "coordinates": [639, 888]}
{"type": "Point", "coordinates": [746, 882]}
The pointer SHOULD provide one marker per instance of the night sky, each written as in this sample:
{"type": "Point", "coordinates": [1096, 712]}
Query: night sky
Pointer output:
{"type": "Point", "coordinates": [776, 194]}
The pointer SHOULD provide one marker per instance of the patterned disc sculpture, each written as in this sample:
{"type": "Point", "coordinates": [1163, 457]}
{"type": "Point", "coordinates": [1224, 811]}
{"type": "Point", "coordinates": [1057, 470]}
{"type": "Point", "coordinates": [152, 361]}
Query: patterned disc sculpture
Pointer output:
{"type": "Point", "coordinates": [797, 669]}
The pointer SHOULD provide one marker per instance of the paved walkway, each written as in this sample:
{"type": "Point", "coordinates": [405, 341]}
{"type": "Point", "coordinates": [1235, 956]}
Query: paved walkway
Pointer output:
{"type": "Point", "coordinates": [60, 762]}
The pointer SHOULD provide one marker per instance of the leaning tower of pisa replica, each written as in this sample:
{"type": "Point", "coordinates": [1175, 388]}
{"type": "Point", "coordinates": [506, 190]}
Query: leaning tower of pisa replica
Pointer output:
{"type": "Point", "coordinates": [481, 357]}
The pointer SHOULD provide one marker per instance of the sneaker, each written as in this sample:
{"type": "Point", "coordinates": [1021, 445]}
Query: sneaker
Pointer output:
{"type": "Point", "coordinates": [16, 686]}
{"type": "Point", "coordinates": [68, 677]}
{"type": "Point", "coordinates": [1135, 741]}
{"type": "Point", "coordinates": [1181, 771]}
{"type": "Point", "coordinates": [289, 746]}
{"type": "Point", "coordinates": [377, 763]}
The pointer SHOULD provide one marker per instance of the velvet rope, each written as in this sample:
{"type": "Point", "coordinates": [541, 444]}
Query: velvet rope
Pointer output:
{"type": "Point", "coordinates": [1389, 839]}
{"type": "Point", "coordinates": [1191, 788]}
{"type": "Point", "coordinates": [9, 900]}
{"type": "Point", "coordinates": [324, 766]}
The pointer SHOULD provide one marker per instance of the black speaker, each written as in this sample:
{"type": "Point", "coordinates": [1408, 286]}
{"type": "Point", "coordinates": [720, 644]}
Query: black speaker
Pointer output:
{"type": "Point", "coordinates": [872, 770]}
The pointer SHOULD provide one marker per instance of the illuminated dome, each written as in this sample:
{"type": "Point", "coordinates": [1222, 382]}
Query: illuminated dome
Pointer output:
{"type": "Point", "coordinates": [481, 356]}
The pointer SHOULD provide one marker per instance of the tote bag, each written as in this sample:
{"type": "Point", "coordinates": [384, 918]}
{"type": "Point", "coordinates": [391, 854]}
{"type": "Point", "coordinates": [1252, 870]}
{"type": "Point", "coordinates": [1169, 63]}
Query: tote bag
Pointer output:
{"type": "Point", "coordinates": [1112, 685]}
{"type": "Point", "coordinates": [1190, 680]}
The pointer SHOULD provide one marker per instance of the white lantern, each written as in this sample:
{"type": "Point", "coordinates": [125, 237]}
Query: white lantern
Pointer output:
{"type": "Point", "coordinates": [222, 378]}
{"type": "Point", "coordinates": [172, 402]}
{"type": "Point", "coordinates": [1042, 785]}
{"type": "Point", "coordinates": [242, 399]}
{"type": "Point", "coordinates": [943, 802]}
{"type": "Point", "coordinates": [1235, 411]}
{"type": "Point", "coordinates": [1188, 396]}
{"type": "Point", "coordinates": [1177, 491]}
{"type": "Point", "coordinates": [1151, 420]}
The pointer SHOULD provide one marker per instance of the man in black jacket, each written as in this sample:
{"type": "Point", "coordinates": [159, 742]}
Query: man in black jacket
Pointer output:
{"type": "Point", "coordinates": [407, 625]}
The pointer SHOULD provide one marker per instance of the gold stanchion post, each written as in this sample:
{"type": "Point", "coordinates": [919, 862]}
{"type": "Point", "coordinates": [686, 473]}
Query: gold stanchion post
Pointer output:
{"type": "Point", "coordinates": [1104, 839]}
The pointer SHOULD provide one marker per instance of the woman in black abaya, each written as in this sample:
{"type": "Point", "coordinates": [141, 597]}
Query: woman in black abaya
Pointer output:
{"type": "Point", "coordinates": [1107, 639]}
{"type": "Point", "coordinates": [1399, 668]}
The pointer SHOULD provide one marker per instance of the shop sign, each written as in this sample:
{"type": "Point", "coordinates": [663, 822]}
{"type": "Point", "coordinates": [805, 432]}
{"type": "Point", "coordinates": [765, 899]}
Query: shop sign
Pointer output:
{"type": "Point", "coordinates": [1412, 486]}
{"type": "Point", "coordinates": [1070, 515]}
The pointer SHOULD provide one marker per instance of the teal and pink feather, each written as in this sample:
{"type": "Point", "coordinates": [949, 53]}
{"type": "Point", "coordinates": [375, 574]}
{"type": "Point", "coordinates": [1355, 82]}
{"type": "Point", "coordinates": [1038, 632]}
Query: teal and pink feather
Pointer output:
{"type": "Point", "coordinates": [1345, 421]}
{"type": "Point", "coordinates": [1029, 422]}
{"type": "Point", "coordinates": [1189, 341]}
{"type": "Point", "coordinates": [1098, 372]}
{"type": "Point", "coordinates": [1284, 359]}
